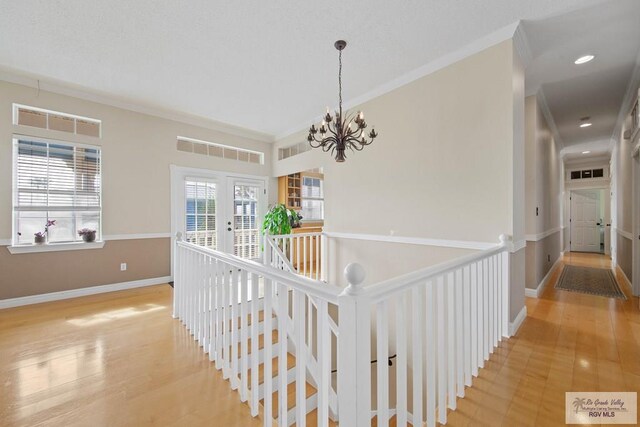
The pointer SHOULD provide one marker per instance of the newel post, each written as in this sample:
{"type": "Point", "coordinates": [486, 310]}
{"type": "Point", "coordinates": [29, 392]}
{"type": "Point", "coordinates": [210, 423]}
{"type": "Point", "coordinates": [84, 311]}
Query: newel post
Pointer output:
{"type": "Point", "coordinates": [177, 282]}
{"type": "Point", "coordinates": [507, 242]}
{"type": "Point", "coordinates": [354, 351]}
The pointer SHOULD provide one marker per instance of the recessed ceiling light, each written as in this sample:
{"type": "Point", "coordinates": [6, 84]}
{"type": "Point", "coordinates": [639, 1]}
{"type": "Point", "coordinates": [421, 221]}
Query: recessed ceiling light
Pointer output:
{"type": "Point", "coordinates": [585, 125]}
{"type": "Point", "coordinates": [586, 152]}
{"type": "Point", "coordinates": [584, 59]}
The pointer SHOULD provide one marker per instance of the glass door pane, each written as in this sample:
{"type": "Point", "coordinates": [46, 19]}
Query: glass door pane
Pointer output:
{"type": "Point", "coordinates": [200, 213]}
{"type": "Point", "coordinates": [246, 220]}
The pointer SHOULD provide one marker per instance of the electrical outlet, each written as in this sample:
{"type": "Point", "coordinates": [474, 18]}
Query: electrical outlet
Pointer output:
{"type": "Point", "coordinates": [123, 266]}
{"type": "Point", "coordinates": [536, 211]}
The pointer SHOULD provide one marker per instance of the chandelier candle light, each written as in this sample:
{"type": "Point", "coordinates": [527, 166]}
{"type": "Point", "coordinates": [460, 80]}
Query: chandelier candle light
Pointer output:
{"type": "Point", "coordinates": [344, 131]}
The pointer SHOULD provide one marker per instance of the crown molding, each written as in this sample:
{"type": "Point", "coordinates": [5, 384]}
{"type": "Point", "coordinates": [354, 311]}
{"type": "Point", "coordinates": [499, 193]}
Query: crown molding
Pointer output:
{"type": "Point", "coordinates": [476, 46]}
{"type": "Point", "coordinates": [546, 112]}
{"type": "Point", "coordinates": [630, 95]}
{"type": "Point", "coordinates": [62, 88]}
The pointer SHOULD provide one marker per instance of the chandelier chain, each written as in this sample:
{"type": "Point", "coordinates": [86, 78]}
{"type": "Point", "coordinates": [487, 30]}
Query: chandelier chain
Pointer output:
{"type": "Point", "coordinates": [340, 80]}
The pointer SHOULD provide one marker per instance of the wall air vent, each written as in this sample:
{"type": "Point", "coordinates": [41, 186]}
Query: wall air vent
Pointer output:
{"type": "Point", "coordinates": [293, 150]}
{"type": "Point", "coordinates": [213, 149]}
{"type": "Point", "coordinates": [25, 115]}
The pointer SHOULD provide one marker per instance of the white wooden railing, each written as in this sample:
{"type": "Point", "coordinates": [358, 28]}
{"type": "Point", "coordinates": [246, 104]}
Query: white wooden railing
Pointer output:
{"type": "Point", "coordinates": [305, 252]}
{"type": "Point", "coordinates": [441, 324]}
{"type": "Point", "coordinates": [220, 298]}
{"type": "Point", "coordinates": [447, 319]}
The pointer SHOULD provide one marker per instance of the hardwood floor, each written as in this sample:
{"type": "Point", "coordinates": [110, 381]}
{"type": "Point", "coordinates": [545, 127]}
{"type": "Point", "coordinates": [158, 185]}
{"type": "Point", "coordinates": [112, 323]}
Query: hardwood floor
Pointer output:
{"type": "Point", "coordinates": [569, 342]}
{"type": "Point", "coordinates": [119, 359]}
{"type": "Point", "coordinates": [114, 359]}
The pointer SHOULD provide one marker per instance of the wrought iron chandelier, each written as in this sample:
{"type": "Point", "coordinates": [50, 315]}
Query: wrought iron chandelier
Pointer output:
{"type": "Point", "coordinates": [344, 131]}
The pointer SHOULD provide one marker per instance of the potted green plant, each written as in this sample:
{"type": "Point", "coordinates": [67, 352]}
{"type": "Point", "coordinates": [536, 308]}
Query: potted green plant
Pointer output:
{"type": "Point", "coordinates": [279, 220]}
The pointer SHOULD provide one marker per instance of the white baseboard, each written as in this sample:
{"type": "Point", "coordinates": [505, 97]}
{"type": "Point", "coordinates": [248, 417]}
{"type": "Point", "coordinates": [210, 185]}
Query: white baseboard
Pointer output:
{"type": "Point", "coordinates": [515, 325]}
{"type": "Point", "coordinates": [535, 293]}
{"type": "Point", "coordinates": [617, 267]}
{"type": "Point", "coordinates": [74, 293]}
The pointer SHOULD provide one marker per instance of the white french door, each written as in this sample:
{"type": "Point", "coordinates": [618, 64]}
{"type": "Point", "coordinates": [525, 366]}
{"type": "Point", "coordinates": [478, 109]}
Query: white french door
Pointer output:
{"type": "Point", "coordinates": [245, 201]}
{"type": "Point", "coordinates": [585, 234]}
{"type": "Point", "coordinates": [219, 211]}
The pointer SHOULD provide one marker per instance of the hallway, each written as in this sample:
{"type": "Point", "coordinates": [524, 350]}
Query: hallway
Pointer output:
{"type": "Point", "coordinates": [569, 342]}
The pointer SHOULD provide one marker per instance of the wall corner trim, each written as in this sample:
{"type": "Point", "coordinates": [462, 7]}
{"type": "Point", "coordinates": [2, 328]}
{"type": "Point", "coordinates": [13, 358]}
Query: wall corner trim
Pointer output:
{"type": "Point", "coordinates": [521, 42]}
{"type": "Point", "coordinates": [546, 112]}
{"type": "Point", "coordinates": [518, 245]}
{"type": "Point", "coordinates": [74, 293]}
{"type": "Point", "coordinates": [515, 325]}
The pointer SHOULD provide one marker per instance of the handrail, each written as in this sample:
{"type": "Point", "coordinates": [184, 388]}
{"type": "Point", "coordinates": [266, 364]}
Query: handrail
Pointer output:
{"type": "Point", "coordinates": [281, 254]}
{"type": "Point", "coordinates": [287, 236]}
{"type": "Point", "coordinates": [328, 293]}
{"type": "Point", "coordinates": [400, 283]}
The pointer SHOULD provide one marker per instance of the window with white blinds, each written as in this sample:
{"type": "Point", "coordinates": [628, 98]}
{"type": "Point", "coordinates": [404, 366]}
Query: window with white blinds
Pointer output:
{"type": "Point", "coordinates": [55, 181]}
{"type": "Point", "coordinates": [312, 199]}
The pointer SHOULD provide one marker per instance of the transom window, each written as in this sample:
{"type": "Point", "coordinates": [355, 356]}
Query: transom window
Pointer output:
{"type": "Point", "coordinates": [55, 181]}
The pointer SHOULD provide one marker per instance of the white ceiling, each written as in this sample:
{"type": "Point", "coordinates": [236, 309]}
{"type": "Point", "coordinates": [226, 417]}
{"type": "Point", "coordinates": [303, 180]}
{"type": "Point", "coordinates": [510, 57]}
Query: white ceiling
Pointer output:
{"type": "Point", "coordinates": [611, 32]}
{"type": "Point", "coordinates": [266, 66]}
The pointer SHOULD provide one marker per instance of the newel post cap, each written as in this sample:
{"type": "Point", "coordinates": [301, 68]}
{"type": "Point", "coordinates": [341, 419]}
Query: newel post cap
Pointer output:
{"type": "Point", "coordinates": [179, 236]}
{"type": "Point", "coordinates": [505, 238]}
{"type": "Point", "coordinates": [355, 274]}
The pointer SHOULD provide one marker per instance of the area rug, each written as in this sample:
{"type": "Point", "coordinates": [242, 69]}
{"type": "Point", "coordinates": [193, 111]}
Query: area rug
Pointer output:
{"type": "Point", "coordinates": [592, 281]}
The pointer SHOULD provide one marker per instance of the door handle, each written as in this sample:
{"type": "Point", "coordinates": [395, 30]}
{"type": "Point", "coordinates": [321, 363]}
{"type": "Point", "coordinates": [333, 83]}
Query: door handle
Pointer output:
{"type": "Point", "coordinates": [229, 229]}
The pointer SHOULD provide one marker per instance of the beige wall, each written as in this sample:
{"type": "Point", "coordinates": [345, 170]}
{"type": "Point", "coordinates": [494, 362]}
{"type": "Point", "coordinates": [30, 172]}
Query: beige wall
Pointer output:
{"type": "Point", "coordinates": [448, 164]}
{"type": "Point", "coordinates": [543, 189]}
{"type": "Point", "coordinates": [137, 150]}
{"type": "Point", "coordinates": [384, 260]}
{"type": "Point", "coordinates": [442, 165]}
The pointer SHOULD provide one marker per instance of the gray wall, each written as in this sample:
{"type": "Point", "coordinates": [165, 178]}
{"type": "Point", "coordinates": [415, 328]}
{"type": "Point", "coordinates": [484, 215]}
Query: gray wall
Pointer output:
{"type": "Point", "coordinates": [540, 257]}
{"type": "Point", "coordinates": [625, 255]}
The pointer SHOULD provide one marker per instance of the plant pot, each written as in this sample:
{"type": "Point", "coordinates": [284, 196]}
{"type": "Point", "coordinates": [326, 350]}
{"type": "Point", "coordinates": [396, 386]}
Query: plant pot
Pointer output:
{"type": "Point", "coordinates": [39, 240]}
{"type": "Point", "coordinates": [89, 237]}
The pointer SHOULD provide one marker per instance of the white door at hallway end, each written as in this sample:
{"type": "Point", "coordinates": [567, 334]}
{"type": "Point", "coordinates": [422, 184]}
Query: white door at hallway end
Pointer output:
{"type": "Point", "coordinates": [585, 221]}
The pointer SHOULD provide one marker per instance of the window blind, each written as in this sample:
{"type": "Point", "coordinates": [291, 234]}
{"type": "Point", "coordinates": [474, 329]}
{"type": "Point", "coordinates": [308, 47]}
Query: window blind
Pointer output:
{"type": "Point", "coordinates": [312, 198]}
{"type": "Point", "coordinates": [56, 181]}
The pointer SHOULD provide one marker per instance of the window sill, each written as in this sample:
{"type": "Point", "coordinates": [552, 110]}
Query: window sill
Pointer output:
{"type": "Point", "coordinates": [54, 247]}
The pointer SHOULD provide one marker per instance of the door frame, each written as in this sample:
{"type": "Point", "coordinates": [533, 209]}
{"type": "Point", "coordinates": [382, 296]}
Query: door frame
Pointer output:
{"type": "Point", "coordinates": [635, 215]}
{"type": "Point", "coordinates": [571, 194]}
{"type": "Point", "coordinates": [178, 175]}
